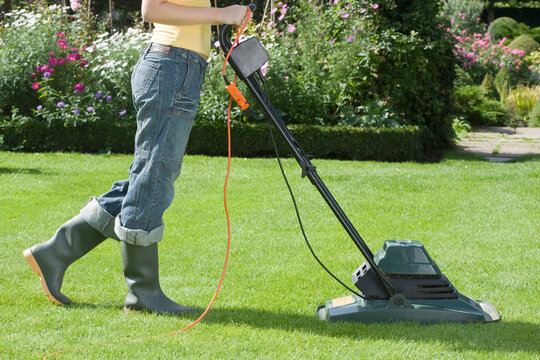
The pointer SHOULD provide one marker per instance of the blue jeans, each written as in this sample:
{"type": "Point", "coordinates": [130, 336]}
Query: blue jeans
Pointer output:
{"type": "Point", "coordinates": [166, 85]}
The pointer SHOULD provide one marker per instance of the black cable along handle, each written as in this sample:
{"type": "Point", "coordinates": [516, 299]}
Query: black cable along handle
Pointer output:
{"type": "Point", "coordinates": [308, 169]}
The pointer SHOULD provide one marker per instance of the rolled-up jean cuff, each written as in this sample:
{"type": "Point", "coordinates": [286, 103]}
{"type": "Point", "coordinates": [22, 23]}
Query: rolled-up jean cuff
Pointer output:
{"type": "Point", "coordinates": [98, 218]}
{"type": "Point", "coordinates": [138, 237]}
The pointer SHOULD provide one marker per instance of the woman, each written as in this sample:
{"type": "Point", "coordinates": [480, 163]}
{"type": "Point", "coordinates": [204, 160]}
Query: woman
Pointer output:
{"type": "Point", "coordinates": [166, 84]}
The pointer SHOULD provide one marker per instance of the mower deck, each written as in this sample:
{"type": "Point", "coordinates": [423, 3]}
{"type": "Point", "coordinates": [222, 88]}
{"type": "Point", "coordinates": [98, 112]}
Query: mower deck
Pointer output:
{"type": "Point", "coordinates": [398, 308]}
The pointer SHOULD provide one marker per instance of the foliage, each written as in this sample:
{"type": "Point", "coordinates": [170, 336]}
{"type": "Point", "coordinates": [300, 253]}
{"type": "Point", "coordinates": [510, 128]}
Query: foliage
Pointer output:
{"type": "Point", "coordinates": [26, 39]}
{"type": "Point", "coordinates": [473, 106]}
{"type": "Point", "coordinates": [534, 119]}
{"type": "Point", "coordinates": [480, 56]}
{"type": "Point", "coordinates": [525, 43]}
{"type": "Point", "coordinates": [463, 15]}
{"type": "Point", "coordinates": [507, 79]}
{"type": "Point", "coordinates": [207, 138]}
{"type": "Point", "coordinates": [71, 81]}
{"type": "Point", "coordinates": [461, 127]}
{"type": "Point", "coordinates": [521, 102]}
{"type": "Point", "coordinates": [510, 29]}
{"type": "Point", "coordinates": [503, 27]}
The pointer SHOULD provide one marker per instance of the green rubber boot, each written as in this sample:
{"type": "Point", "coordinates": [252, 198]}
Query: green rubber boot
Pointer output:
{"type": "Point", "coordinates": [142, 277]}
{"type": "Point", "coordinates": [51, 259]}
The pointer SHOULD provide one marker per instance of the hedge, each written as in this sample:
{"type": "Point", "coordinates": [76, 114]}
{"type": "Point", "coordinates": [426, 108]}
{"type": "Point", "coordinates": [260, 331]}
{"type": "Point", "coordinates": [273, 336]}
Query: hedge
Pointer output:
{"type": "Point", "coordinates": [248, 140]}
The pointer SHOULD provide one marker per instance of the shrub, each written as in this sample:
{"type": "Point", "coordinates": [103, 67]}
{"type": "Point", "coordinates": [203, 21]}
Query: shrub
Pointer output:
{"type": "Point", "coordinates": [473, 106]}
{"type": "Point", "coordinates": [26, 39]}
{"type": "Point", "coordinates": [534, 120]}
{"type": "Point", "coordinates": [480, 56]}
{"type": "Point", "coordinates": [525, 43]}
{"type": "Point", "coordinates": [521, 101]}
{"type": "Point", "coordinates": [462, 15]}
{"type": "Point", "coordinates": [397, 144]}
{"type": "Point", "coordinates": [348, 63]}
{"type": "Point", "coordinates": [463, 78]}
{"type": "Point", "coordinates": [503, 27]}
{"type": "Point", "coordinates": [507, 79]}
{"type": "Point", "coordinates": [67, 80]}
{"type": "Point", "coordinates": [488, 84]}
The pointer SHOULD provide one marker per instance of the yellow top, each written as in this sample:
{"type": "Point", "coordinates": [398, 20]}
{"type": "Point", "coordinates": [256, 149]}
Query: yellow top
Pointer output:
{"type": "Point", "coordinates": [192, 37]}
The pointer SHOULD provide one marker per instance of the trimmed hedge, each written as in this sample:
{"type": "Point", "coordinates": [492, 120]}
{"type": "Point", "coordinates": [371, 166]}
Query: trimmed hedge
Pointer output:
{"type": "Point", "coordinates": [248, 140]}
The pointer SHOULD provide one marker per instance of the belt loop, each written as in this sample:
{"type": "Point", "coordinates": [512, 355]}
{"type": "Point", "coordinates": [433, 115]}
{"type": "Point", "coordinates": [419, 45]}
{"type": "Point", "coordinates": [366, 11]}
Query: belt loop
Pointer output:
{"type": "Point", "coordinates": [146, 50]}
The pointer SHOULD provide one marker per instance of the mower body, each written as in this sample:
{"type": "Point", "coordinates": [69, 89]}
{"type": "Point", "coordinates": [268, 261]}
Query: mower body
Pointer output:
{"type": "Point", "coordinates": [422, 293]}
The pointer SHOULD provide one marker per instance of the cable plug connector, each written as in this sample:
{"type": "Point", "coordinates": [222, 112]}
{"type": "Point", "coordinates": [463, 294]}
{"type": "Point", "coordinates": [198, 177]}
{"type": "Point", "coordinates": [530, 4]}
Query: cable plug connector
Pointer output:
{"type": "Point", "coordinates": [237, 96]}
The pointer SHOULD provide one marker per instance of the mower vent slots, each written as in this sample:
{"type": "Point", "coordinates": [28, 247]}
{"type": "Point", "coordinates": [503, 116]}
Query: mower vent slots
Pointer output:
{"type": "Point", "coordinates": [410, 270]}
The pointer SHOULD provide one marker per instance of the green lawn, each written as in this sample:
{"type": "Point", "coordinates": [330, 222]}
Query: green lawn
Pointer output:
{"type": "Point", "coordinates": [478, 220]}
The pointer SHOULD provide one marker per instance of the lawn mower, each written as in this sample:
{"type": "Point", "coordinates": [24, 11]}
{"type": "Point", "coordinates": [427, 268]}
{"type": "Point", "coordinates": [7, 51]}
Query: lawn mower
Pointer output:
{"type": "Point", "coordinates": [400, 282]}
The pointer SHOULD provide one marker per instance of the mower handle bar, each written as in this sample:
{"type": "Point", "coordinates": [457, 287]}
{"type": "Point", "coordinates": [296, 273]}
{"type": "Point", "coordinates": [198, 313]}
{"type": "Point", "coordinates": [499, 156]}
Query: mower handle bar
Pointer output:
{"type": "Point", "coordinates": [303, 160]}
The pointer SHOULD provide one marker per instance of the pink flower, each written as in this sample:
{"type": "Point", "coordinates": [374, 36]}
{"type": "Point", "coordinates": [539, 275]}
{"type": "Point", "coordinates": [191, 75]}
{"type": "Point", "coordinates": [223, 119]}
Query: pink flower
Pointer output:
{"type": "Point", "coordinates": [517, 61]}
{"type": "Point", "coordinates": [75, 4]}
{"type": "Point", "coordinates": [517, 68]}
{"type": "Point", "coordinates": [35, 86]}
{"type": "Point", "coordinates": [62, 43]}
{"type": "Point", "coordinates": [350, 38]}
{"type": "Point", "coordinates": [79, 88]}
{"type": "Point", "coordinates": [287, 78]}
{"type": "Point", "coordinates": [291, 28]}
{"type": "Point", "coordinates": [362, 11]}
{"type": "Point", "coordinates": [60, 35]}
{"type": "Point", "coordinates": [333, 41]}
{"type": "Point", "coordinates": [345, 16]}
{"type": "Point", "coordinates": [375, 6]}
{"type": "Point", "coordinates": [33, 76]}
{"type": "Point", "coordinates": [273, 10]}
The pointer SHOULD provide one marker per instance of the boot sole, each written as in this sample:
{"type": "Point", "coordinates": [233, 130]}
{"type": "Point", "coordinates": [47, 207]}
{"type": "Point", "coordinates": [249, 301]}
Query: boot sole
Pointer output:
{"type": "Point", "coordinates": [37, 270]}
{"type": "Point", "coordinates": [147, 311]}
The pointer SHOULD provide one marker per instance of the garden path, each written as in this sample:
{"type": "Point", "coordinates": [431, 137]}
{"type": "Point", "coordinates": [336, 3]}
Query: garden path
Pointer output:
{"type": "Point", "coordinates": [500, 144]}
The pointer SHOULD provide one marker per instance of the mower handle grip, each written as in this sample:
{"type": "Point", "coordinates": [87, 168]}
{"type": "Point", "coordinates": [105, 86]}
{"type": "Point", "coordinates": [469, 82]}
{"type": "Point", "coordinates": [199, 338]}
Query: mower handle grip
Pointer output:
{"type": "Point", "coordinates": [225, 33]}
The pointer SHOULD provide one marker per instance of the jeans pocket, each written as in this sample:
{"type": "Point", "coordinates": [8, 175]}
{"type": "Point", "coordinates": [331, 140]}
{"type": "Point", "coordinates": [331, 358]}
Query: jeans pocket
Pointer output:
{"type": "Point", "coordinates": [186, 102]}
{"type": "Point", "coordinates": [144, 75]}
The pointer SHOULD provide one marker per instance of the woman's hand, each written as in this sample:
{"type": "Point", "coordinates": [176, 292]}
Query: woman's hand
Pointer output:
{"type": "Point", "coordinates": [234, 15]}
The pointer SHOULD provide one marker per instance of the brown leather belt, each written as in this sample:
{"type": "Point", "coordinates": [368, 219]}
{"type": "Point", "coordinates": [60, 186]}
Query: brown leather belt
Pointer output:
{"type": "Point", "coordinates": [164, 49]}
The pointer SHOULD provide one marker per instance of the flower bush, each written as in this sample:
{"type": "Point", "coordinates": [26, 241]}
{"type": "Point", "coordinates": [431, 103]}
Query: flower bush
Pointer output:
{"type": "Point", "coordinates": [76, 82]}
{"type": "Point", "coordinates": [480, 55]}
{"type": "Point", "coordinates": [358, 63]}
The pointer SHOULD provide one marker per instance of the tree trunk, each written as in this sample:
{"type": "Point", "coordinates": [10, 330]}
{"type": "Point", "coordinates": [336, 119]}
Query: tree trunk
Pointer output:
{"type": "Point", "coordinates": [5, 8]}
{"type": "Point", "coordinates": [491, 11]}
